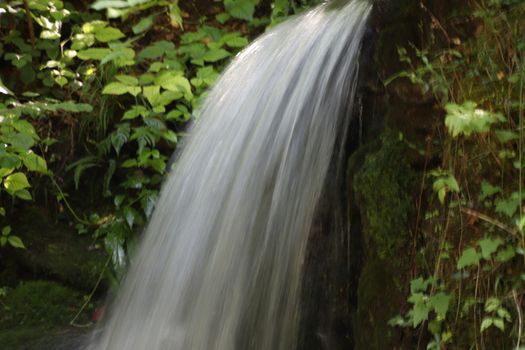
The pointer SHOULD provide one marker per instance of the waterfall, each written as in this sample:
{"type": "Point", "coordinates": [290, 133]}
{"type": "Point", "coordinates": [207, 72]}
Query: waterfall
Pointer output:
{"type": "Point", "coordinates": [220, 265]}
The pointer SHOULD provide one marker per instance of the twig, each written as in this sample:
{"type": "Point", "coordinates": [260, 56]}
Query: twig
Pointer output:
{"type": "Point", "coordinates": [490, 220]}
{"type": "Point", "coordinates": [63, 196]}
{"type": "Point", "coordinates": [520, 319]}
{"type": "Point", "coordinates": [88, 299]}
{"type": "Point", "coordinates": [30, 27]}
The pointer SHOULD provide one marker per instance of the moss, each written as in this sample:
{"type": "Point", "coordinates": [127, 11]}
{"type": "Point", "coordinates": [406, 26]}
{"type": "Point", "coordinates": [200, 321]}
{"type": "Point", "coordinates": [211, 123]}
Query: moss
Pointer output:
{"type": "Point", "coordinates": [379, 298]}
{"type": "Point", "coordinates": [383, 188]}
{"type": "Point", "coordinates": [55, 250]}
{"type": "Point", "coordinates": [36, 315]}
{"type": "Point", "coordinates": [40, 303]}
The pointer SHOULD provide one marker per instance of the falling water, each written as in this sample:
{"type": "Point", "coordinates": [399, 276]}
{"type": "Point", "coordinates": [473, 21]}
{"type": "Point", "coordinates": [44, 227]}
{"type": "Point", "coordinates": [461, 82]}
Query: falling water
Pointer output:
{"type": "Point", "coordinates": [220, 265]}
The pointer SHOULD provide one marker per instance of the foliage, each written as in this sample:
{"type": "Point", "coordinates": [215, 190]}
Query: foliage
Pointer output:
{"type": "Point", "coordinates": [94, 98]}
{"type": "Point", "coordinates": [471, 242]}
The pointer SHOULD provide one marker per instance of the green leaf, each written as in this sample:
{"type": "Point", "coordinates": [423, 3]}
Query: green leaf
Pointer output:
{"type": "Point", "coordinates": [21, 141]}
{"type": "Point", "coordinates": [122, 56]}
{"type": "Point", "coordinates": [505, 136]}
{"type": "Point", "coordinates": [34, 162]}
{"type": "Point", "coordinates": [469, 257]}
{"type": "Point", "coordinates": [467, 119]}
{"type": "Point", "coordinates": [135, 111]}
{"type": "Point", "coordinates": [498, 323]}
{"type": "Point", "coordinates": [115, 88]}
{"type": "Point", "coordinates": [492, 304]}
{"type": "Point", "coordinates": [242, 9]}
{"type": "Point", "coordinates": [6, 171]}
{"type": "Point", "coordinates": [129, 163]}
{"type": "Point", "coordinates": [440, 303]}
{"type": "Point", "coordinates": [222, 17]}
{"type": "Point", "coordinates": [508, 206]}
{"type": "Point", "coordinates": [147, 202]}
{"type": "Point", "coordinates": [16, 182]}
{"type": "Point", "coordinates": [418, 285]}
{"type": "Point", "coordinates": [489, 246]}
{"type": "Point", "coordinates": [157, 49]}
{"type": "Point", "coordinates": [108, 34]}
{"type": "Point", "coordinates": [94, 54]}
{"type": "Point", "coordinates": [6, 230]}
{"type": "Point", "coordinates": [486, 323]}
{"type": "Point", "coordinates": [152, 93]}
{"type": "Point", "coordinates": [234, 40]}
{"type": "Point", "coordinates": [169, 136]}
{"type": "Point", "coordinates": [4, 90]}
{"type": "Point", "coordinates": [23, 194]}
{"type": "Point", "coordinates": [144, 24]}
{"type": "Point", "coordinates": [129, 215]}
{"type": "Point", "coordinates": [487, 190]}
{"type": "Point", "coordinates": [94, 26]}
{"type": "Point", "coordinates": [420, 309]}
{"type": "Point", "coordinates": [173, 81]}
{"type": "Point", "coordinates": [127, 79]}
{"type": "Point", "coordinates": [15, 242]}
{"type": "Point", "coordinates": [506, 254]}
{"type": "Point", "coordinates": [215, 55]}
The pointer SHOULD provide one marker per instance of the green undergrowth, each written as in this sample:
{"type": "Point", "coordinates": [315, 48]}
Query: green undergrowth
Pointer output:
{"type": "Point", "coordinates": [467, 274]}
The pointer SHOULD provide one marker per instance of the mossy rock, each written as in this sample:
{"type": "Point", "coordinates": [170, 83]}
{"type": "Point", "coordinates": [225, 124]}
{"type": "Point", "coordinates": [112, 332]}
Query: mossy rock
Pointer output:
{"type": "Point", "coordinates": [383, 188]}
{"type": "Point", "coordinates": [54, 251]}
{"type": "Point", "coordinates": [36, 315]}
{"type": "Point", "coordinates": [379, 298]}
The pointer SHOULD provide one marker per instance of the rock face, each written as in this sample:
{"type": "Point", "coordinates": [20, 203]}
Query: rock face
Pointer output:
{"type": "Point", "coordinates": [358, 261]}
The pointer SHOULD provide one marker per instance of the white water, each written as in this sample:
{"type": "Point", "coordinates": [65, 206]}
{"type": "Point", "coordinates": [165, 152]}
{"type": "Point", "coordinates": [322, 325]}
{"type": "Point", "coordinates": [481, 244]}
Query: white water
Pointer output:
{"type": "Point", "coordinates": [220, 265]}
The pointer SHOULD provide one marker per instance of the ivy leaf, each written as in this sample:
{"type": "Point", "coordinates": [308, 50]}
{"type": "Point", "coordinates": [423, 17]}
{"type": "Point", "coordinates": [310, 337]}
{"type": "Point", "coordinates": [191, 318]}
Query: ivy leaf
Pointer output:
{"type": "Point", "coordinates": [16, 182]}
{"type": "Point", "coordinates": [469, 257]}
{"type": "Point", "coordinates": [489, 246]}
